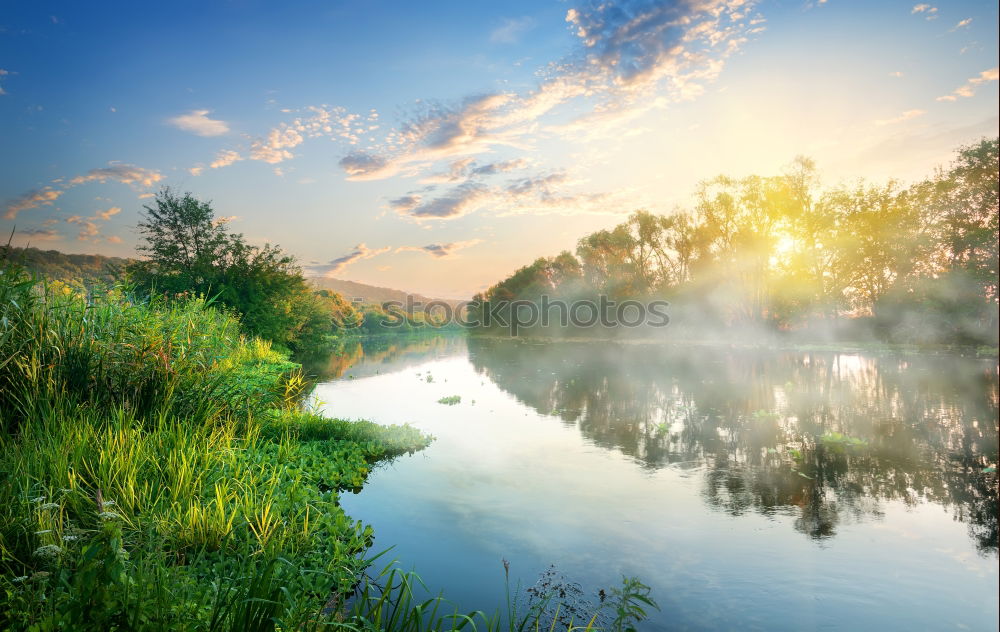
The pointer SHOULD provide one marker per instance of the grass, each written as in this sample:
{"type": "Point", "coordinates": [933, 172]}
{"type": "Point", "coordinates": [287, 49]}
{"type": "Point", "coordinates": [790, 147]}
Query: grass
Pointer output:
{"type": "Point", "coordinates": [156, 473]}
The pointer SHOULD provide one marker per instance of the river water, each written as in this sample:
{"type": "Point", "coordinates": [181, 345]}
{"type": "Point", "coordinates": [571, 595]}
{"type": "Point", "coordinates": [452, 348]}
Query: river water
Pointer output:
{"type": "Point", "coordinates": [750, 489]}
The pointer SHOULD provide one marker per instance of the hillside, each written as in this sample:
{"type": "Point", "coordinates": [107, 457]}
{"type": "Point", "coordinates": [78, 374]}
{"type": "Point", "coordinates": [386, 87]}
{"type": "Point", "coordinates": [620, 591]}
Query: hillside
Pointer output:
{"type": "Point", "coordinates": [102, 269]}
{"type": "Point", "coordinates": [371, 294]}
{"type": "Point", "coordinates": [58, 265]}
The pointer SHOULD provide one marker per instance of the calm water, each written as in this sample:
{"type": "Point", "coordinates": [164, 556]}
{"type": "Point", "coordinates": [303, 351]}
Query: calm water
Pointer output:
{"type": "Point", "coordinates": [751, 490]}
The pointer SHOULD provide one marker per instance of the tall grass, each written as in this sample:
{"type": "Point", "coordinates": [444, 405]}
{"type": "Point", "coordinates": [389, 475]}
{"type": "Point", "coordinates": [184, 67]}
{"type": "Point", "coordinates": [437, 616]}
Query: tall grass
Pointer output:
{"type": "Point", "coordinates": [155, 474]}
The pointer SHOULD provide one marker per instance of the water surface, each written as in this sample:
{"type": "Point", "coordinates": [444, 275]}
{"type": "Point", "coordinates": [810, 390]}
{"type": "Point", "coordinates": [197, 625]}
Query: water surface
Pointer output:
{"type": "Point", "coordinates": [750, 489]}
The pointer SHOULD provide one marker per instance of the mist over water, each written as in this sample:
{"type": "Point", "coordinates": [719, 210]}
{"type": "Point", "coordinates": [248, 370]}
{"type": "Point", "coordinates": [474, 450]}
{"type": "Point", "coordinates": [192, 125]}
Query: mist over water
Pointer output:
{"type": "Point", "coordinates": [749, 488]}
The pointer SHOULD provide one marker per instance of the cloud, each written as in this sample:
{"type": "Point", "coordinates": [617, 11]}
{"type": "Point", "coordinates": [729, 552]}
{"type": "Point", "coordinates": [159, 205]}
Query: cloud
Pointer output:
{"type": "Point", "coordinates": [466, 167]}
{"type": "Point", "coordinates": [969, 88]}
{"type": "Point", "coordinates": [925, 9]}
{"type": "Point", "coordinates": [225, 158]}
{"type": "Point", "coordinates": [108, 214]}
{"type": "Point", "coordinates": [961, 25]}
{"type": "Point", "coordinates": [905, 116]}
{"type": "Point", "coordinates": [896, 73]}
{"type": "Point", "coordinates": [625, 51]}
{"type": "Point", "coordinates": [537, 194]}
{"type": "Point", "coordinates": [361, 165]}
{"type": "Point", "coordinates": [197, 122]}
{"type": "Point", "coordinates": [196, 170]}
{"type": "Point", "coordinates": [3, 73]}
{"type": "Point", "coordinates": [461, 200]}
{"type": "Point", "coordinates": [274, 148]}
{"type": "Point", "coordinates": [124, 173]}
{"type": "Point", "coordinates": [441, 251]}
{"type": "Point", "coordinates": [511, 30]}
{"type": "Point", "coordinates": [336, 266]}
{"type": "Point", "coordinates": [29, 235]}
{"type": "Point", "coordinates": [88, 228]}
{"type": "Point", "coordinates": [32, 199]}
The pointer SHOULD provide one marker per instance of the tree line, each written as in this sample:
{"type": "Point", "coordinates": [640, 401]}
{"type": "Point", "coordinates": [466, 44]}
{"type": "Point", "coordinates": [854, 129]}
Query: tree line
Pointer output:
{"type": "Point", "coordinates": [901, 263]}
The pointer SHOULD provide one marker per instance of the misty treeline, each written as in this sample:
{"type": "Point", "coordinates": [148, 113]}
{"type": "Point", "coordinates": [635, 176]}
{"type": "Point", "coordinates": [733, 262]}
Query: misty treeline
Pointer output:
{"type": "Point", "coordinates": [861, 261]}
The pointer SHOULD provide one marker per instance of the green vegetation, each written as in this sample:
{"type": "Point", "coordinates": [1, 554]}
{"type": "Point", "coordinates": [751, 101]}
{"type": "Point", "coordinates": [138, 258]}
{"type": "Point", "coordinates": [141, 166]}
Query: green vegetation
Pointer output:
{"type": "Point", "coordinates": [189, 252]}
{"type": "Point", "coordinates": [87, 270]}
{"type": "Point", "coordinates": [158, 473]}
{"type": "Point", "coordinates": [855, 262]}
{"type": "Point", "coordinates": [451, 400]}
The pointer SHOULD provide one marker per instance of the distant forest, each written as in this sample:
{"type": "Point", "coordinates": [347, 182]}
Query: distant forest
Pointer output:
{"type": "Point", "coordinates": [906, 264]}
{"type": "Point", "coordinates": [52, 264]}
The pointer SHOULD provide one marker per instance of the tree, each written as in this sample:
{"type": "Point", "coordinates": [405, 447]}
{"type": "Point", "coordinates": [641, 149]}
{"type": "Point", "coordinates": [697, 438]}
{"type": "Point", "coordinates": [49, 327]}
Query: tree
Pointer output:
{"type": "Point", "coordinates": [190, 252]}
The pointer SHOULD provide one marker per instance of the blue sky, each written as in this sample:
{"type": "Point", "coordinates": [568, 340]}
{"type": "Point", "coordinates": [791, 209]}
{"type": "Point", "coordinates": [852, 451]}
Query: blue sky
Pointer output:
{"type": "Point", "coordinates": [438, 146]}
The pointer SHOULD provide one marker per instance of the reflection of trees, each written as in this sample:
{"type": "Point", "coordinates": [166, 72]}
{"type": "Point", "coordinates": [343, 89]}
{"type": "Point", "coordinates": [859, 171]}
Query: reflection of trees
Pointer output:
{"type": "Point", "coordinates": [821, 436]}
{"type": "Point", "coordinates": [365, 356]}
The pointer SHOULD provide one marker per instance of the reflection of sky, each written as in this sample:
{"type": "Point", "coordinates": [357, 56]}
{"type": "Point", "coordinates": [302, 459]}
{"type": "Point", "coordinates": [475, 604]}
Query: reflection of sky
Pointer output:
{"type": "Point", "coordinates": [502, 480]}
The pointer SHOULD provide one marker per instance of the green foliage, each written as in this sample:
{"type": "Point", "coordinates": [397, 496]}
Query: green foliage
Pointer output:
{"type": "Point", "coordinates": [189, 252]}
{"type": "Point", "coordinates": [451, 400]}
{"type": "Point", "coordinates": [155, 473]}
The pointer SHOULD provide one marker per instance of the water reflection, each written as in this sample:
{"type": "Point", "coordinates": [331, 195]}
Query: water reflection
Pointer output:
{"type": "Point", "coordinates": [824, 437]}
{"type": "Point", "coordinates": [367, 356]}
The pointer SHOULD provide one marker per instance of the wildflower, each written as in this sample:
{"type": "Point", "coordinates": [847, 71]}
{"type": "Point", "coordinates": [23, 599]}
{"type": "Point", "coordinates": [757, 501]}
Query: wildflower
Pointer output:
{"type": "Point", "coordinates": [20, 579]}
{"type": "Point", "coordinates": [50, 506]}
{"type": "Point", "coordinates": [108, 515]}
{"type": "Point", "coordinates": [70, 538]}
{"type": "Point", "coordinates": [109, 503]}
{"type": "Point", "coordinates": [40, 499]}
{"type": "Point", "coordinates": [48, 551]}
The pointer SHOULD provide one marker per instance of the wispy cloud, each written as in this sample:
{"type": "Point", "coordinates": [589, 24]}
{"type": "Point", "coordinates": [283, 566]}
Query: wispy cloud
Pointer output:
{"type": "Point", "coordinates": [124, 173]}
{"type": "Point", "coordinates": [969, 88]}
{"type": "Point", "coordinates": [198, 122]}
{"type": "Point", "coordinates": [905, 116]}
{"type": "Point", "coordinates": [3, 73]}
{"type": "Point", "coordinates": [33, 235]}
{"type": "Point", "coordinates": [442, 251]}
{"type": "Point", "coordinates": [511, 30]}
{"type": "Point", "coordinates": [928, 11]}
{"type": "Point", "coordinates": [32, 199]}
{"type": "Point", "coordinates": [961, 25]}
{"type": "Point", "coordinates": [225, 158]}
{"type": "Point", "coordinates": [336, 266]}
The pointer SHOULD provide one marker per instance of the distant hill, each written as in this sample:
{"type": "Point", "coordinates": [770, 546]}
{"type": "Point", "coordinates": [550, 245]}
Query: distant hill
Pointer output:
{"type": "Point", "coordinates": [101, 269]}
{"type": "Point", "coordinates": [58, 265]}
{"type": "Point", "coordinates": [372, 294]}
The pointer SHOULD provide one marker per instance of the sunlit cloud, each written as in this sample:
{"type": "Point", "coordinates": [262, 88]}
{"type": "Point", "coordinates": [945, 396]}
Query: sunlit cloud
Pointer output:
{"type": "Point", "coordinates": [198, 122]}
{"type": "Point", "coordinates": [969, 88]}
{"type": "Point", "coordinates": [32, 199]}
{"type": "Point", "coordinates": [124, 173]}
{"type": "Point", "coordinates": [336, 266]}
{"type": "Point", "coordinates": [626, 51]}
{"type": "Point", "coordinates": [108, 214]}
{"type": "Point", "coordinates": [961, 25]}
{"type": "Point", "coordinates": [442, 251]}
{"type": "Point", "coordinates": [225, 158]}
{"type": "Point", "coordinates": [930, 12]}
{"type": "Point", "coordinates": [905, 116]}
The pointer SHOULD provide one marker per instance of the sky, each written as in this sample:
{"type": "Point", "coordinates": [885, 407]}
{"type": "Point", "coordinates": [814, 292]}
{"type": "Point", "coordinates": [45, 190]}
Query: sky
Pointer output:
{"type": "Point", "coordinates": [438, 146]}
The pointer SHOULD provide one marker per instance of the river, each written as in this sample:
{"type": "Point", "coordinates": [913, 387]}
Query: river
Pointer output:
{"type": "Point", "coordinates": [751, 489]}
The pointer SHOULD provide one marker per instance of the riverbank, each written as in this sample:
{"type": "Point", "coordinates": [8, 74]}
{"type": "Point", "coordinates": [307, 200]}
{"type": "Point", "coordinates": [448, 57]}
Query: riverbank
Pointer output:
{"type": "Point", "coordinates": [155, 472]}
{"type": "Point", "coordinates": [158, 472]}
